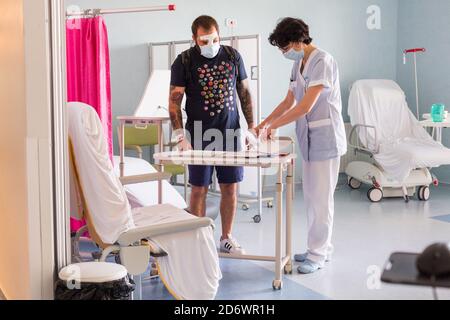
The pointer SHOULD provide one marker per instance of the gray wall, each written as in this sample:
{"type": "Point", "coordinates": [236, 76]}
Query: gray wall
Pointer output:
{"type": "Point", "coordinates": [426, 23]}
{"type": "Point", "coordinates": [338, 26]}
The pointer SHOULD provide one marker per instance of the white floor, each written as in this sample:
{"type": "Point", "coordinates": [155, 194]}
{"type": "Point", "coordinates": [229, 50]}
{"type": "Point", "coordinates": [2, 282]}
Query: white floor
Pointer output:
{"type": "Point", "coordinates": [365, 234]}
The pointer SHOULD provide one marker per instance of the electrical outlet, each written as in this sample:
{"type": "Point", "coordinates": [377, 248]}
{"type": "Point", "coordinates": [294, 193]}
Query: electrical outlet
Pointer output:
{"type": "Point", "coordinates": [230, 23]}
{"type": "Point", "coordinates": [254, 72]}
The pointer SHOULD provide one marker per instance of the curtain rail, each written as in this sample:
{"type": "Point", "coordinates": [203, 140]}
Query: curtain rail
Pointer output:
{"type": "Point", "coordinates": [170, 7]}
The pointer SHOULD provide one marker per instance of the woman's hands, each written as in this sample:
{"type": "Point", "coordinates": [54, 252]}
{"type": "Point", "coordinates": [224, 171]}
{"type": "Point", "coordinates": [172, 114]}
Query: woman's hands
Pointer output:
{"type": "Point", "coordinates": [264, 132]}
{"type": "Point", "coordinates": [267, 133]}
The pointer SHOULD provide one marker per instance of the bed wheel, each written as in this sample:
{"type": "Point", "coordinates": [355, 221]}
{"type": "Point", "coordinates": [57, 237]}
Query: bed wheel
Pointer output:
{"type": "Point", "coordinates": [423, 193]}
{"type": "Point", "coordinates": [245, 207]}
{"type": "Point", "coordinates": [257, 218]}
{"type": "Point", "coordinates": [269, 204]}
{"type": "Point", "coordinates": [353, 183]}
{"type": "Point", "coordinates": [375, 194]}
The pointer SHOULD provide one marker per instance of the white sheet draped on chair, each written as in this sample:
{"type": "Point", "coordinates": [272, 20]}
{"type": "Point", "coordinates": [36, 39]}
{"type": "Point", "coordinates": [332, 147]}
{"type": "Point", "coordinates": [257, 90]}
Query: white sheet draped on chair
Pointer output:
{"type": "Point", "coordinates": [402, 143]}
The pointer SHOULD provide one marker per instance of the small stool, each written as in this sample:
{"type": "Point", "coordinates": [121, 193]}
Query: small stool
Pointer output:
{"type": "Point", "coordinates": [94, 281]}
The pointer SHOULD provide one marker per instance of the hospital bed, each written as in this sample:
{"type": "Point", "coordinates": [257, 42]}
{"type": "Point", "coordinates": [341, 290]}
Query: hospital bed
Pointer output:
{"type": "Point", "coordinates": [146, 193]}
{"type": "Point", "coordinates": [400, 150]}
{"type": "Point", "coordinates": [164, 231]}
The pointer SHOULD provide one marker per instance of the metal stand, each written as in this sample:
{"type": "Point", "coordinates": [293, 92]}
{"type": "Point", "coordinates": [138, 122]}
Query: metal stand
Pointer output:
{"type": "Point", "coordinates": [414, 51]}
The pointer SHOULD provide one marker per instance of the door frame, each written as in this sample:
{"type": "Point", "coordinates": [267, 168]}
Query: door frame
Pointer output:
{"type": "Point", "coordinates": [60, 135]}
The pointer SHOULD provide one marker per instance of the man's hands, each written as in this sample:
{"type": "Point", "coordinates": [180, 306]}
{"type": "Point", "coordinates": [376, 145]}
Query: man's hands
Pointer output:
{"type": "Point", "coordinates": [251, 140]}
{"type": "Point", "coordinates": [184, 145]}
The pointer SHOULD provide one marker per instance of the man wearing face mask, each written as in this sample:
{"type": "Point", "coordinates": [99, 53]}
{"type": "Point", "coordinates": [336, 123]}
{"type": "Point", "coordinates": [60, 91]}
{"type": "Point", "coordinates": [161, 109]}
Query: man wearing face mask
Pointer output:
{"type": "Point", "coordinates": [314, 103]}
{"type": "Point", "coordinates": [212, 76]}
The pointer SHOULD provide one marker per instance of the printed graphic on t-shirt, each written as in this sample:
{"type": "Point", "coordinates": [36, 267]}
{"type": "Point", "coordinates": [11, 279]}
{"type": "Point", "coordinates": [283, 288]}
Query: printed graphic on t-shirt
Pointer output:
{"type": "Point", "coordinates": [217, 88]}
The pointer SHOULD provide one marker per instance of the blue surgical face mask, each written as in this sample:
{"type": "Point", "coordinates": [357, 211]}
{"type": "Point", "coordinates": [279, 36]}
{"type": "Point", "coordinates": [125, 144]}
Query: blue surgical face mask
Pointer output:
{"type": "Point", "coordinates": [210, 50]}
{"type": "Point", "coordinates": [292, 54]}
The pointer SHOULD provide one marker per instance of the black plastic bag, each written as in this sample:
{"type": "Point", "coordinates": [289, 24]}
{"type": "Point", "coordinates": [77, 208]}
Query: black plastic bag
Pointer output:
{"type": "Point", "coordinates": [114, 290]}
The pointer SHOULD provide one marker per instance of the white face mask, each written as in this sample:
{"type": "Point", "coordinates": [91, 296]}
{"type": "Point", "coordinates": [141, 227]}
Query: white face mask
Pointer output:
{"type": "Point", "coordinates": [211, 49]}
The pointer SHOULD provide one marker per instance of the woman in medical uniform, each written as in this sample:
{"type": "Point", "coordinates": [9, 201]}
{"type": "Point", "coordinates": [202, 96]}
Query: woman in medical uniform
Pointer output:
{"type": "Point", "coordinates": [314, 103]}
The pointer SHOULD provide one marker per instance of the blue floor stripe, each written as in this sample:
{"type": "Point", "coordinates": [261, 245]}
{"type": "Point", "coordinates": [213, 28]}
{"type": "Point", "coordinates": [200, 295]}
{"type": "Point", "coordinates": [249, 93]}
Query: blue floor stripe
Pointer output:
{"type": "Point", "coordinates": [444, 218]}
{"type": "Point", "coordinates": [242, 280]}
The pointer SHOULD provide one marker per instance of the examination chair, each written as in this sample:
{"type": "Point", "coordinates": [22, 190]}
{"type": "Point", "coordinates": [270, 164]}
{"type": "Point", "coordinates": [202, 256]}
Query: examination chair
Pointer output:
{"type": "Point", "coordinates": [400, 150]}
{"type": "Point", "coordinates": [183, 245]}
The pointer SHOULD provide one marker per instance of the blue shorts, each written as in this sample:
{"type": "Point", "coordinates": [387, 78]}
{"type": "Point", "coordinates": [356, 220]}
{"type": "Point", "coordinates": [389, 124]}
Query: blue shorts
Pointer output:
{"type": "Point", "coordinates": [201, 176]}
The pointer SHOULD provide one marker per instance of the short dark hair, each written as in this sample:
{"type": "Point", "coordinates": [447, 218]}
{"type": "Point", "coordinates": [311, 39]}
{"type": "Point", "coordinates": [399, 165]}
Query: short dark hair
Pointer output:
{"type": "Point", "coordinates": [290, 30]}
{"type": "Point", "coordinates": [205, 22]}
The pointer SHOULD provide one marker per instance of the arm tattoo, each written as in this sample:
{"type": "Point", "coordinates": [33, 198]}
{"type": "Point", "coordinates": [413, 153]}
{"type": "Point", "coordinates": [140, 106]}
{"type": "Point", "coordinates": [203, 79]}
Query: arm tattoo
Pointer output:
{"type": "Point", "coordinates": [175, 99]}
{"type": "Point", "coordinates": [246, 102]}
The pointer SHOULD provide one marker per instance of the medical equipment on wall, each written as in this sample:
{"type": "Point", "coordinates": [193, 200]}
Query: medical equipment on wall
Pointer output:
{"type": "Point", "coordinates": [280, 162]}
{"type": "Point", "coordinates": [414, 51]}
{"type": "Point", "coordinates": [400, 149]}
{"type": "Point", "coordinates": [163, 54]}
{"type": "Point", "coordinates": [171, 233]}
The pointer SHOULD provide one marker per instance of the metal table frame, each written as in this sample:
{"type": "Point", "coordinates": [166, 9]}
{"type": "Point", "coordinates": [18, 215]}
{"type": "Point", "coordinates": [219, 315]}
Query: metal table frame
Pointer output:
{"type": "Point", "coordinates": [283, 261]}
{"type": "Point", "coordinates": [140, 121]}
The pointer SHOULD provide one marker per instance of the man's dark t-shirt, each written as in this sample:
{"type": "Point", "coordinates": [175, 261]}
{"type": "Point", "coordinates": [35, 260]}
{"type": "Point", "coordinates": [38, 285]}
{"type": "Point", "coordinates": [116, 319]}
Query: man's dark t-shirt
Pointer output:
{"type": "Point", "coordinates": [211, 93]}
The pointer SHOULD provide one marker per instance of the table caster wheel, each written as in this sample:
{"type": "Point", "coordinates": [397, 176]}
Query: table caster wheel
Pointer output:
{"type": "Point", "coordinates": [269, 204]}
{"type": "Point", "coordinates": [277, 284]}
{"type": "Point", "coordinates": [257, 218]}
{"type": "Point", "coordinates": [245, 207]}
{"type": "Point", "coordinates": [288, 269]}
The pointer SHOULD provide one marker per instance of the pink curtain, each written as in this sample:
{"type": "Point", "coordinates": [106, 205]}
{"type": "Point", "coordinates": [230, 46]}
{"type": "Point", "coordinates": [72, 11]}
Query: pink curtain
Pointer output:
{"type": "Point", "coordinates": [88, 69]}
{"type": "Point", "coordinates": [88, 72]}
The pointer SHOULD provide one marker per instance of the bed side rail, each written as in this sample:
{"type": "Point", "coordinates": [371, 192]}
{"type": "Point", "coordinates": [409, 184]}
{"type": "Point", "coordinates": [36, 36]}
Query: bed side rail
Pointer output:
{"type": "Point", "coordinates": [355, 143]}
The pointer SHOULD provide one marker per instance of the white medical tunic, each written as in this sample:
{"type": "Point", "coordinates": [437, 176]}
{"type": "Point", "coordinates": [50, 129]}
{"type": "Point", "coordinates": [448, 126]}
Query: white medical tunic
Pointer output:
{"type": "Point", "coordinates": [321, 133]}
